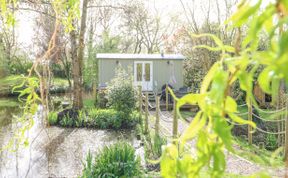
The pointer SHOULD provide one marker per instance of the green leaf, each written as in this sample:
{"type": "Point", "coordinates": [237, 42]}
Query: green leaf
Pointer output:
{"type": "Point", "coordinates": [217, 41]}
{"type": "Point", "coordinates": [223, 130]}
{"type": "Point", "coordinates": [219, 162]}
{"type": "Point", "coordinates": [230, 104]}
{"type": "Point", "coordinates": [239, 120]}
{"type": "Point", "coordinates": [196, 125]}
{"type": "Point", "coordinates": [208, 47]}
{"type": "Point", "coordinates": [264, 80]}
{"type": "Point", "coordinates": [168, 162]}
{"type": "Point", "coordinates": [242, 15]}
{"type": "Point", "coordinates": [190, 99]}
{"type": "Point", "coordinates": [208, 78]}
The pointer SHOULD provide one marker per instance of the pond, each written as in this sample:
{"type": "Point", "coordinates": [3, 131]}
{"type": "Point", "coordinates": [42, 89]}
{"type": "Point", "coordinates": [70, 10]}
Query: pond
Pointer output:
{"type": "Point", "coordinates": [53, 151]}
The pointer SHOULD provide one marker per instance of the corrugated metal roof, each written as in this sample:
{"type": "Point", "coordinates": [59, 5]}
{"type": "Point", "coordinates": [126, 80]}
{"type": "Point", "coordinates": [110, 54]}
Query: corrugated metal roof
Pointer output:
{"type": "Point", "coordinates": [139, 56]}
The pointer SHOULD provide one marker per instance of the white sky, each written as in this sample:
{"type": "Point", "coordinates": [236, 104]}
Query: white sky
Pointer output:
{"type": "Point", "coordinates": [25, 24]}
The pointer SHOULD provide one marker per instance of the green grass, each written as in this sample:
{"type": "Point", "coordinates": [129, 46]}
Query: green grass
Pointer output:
{"type": "Point", "coordinates": [7, 84]}
{"type": "Point", "coordinates": [89, 103]}
{"type": "Point", "coordinates": [257, 155]}
{"type": "Point", "coordinates": [60, 82]}
{"type": "Point", "coordinates": [8, 103]}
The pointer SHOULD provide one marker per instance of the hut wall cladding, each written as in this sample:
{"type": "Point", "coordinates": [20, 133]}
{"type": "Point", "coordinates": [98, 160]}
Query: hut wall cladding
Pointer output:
{"type": "Point", "coordinates": [161, 70]}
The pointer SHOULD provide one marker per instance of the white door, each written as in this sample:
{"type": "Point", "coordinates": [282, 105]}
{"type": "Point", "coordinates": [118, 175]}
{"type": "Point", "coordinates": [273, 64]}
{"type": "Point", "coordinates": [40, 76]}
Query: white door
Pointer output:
{"type": "Point", "coordinates": [143, 74]}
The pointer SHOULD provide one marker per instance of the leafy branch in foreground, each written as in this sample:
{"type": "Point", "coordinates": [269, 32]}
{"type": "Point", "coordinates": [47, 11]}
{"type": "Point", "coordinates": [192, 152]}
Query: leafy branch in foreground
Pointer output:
{"type": "Point", "coordinates": [209, 127]}
{"type": "Point", "coordinates": [65, 13]}
{"type": "Point", "coordinates": [28, 96]}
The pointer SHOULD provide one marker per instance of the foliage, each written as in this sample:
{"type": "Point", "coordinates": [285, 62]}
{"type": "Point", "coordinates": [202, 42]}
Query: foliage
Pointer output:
{"type": "Point", "coordinates": [121, 94]}
{"type": "Point", "coordinates": [88, 167]}
{"type": "Point", "coordinates": [112, 119]}
{"type": "Point", "coordinates": [256, 154]}
{"type": "Point", "coordinates": [109, 44]}
{"type": "Point", "coordinates": [117, 160]}
{"type": "Point", "coordinates": [58, 70]}
{"type": "Point", "coordinates": [29, 97]}
{"type": "Point", "coordinates": [134, 118]}
{"type": "Point", "coordinates": [20, 65]}
{"type": "Point", "coordinates": [105, 118]}
{"type": "Point", "coordinates": [101, 100]}
{"type": "Point", "coordinates": [240, 62]}
{"type": "Point", "coordinates": [88, 103]}
{"type": "Point", "coordinates": [157, 145]}
{"type": "Point", "coordinates": [53, 118]}
{"type": "Point", "coordinates": [8, 103]}
{"type": "Point", "coordinates": [271, 142]}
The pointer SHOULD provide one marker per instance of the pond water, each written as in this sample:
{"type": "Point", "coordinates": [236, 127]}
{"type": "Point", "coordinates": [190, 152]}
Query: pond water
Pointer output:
{"type": "Point", "coordinates": [53, 151]}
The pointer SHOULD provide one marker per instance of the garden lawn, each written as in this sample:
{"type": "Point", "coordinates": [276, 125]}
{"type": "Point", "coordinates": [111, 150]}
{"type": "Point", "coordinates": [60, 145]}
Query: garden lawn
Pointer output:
{"type": "Point", "coordinates": [7, 84]}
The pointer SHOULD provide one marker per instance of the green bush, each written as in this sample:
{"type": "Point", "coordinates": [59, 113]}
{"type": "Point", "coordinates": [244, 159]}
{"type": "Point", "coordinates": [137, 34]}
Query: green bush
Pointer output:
{"type": "Point", "coordinates": [88, 167]}
{"type": "Point", "coordinates": [133, 119]}
{"type": "Point", "coordinates": [20, 65]}
{"type": "Point", "coordinates": [117, 160]}
{"type": "Point", "coordinates": [271, 142]}
{"type": "Point", "coordinates": [105, 118]}
{"type": "Point", "coordinates": [52, 118]}
{"type": "Point", "coordinates": [88, 103]}
{"type": "Point", "coordinates": [101, 100]}
{"type": "Point", "coordinates": [112, 119]}
{"type": "Point", "coordinates": [72, 118]}
{"type": "Point", "coordinates": [121, 94]}
{"type": "Point", "coordinates": [157, 145]}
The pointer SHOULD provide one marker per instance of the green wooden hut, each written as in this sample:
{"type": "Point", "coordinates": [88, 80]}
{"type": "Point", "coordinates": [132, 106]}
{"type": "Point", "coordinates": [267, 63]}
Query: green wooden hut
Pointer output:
{"type": "Point", "coordinates": [151, 71]}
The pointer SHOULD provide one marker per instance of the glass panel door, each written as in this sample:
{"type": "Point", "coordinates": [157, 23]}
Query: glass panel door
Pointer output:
{"type": "Point", "coordinates": [147, 72]}
{"type": "Point", "coordinates": [143, 75]}
{"type": "Point", "coordinates": [139, 72]}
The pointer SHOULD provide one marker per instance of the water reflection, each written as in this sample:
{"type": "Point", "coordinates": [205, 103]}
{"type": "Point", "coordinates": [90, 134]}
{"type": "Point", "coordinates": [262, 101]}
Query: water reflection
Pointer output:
{"type": "Point", "coordinates": [52, 152]}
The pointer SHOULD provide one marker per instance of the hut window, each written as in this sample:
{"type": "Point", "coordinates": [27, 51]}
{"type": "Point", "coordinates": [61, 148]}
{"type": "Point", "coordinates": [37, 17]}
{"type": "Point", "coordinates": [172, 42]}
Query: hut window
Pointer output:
{"type": "Point", "coordinates": [147, 72]}
{"type": "Point", "coordinates": [139, 72]}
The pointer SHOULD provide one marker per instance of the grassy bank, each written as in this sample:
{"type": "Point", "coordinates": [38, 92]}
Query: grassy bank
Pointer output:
{"type": "Point", "coordinates": [58, 85]}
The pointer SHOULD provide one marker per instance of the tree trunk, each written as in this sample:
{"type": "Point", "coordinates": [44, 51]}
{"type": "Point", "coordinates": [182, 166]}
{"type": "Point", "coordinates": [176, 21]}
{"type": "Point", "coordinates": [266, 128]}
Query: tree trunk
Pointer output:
{"type": "Point", "coordinates": [77, 78]}
{"type": "Point", "coordinates": [77, 60]}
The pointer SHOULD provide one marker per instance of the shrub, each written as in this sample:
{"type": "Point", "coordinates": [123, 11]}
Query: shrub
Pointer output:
{"type": "Point", "coordinates": [105, 118]}
{"type": "Point", "coordinates": [101, 100]}
{"type": "Point", "coordinates": [88, 103]}
{"type": "Point", "coordinates": [52, 118]}
{"type": "Point", "coordinates": [88, 167]}
{"type": "Point", "coordinates": [133, 119]}
{"type": "Point", "coordinates": [117, 160]}
{"type": "Point", "coordinates": [121, 94]}
{"type": "Point", "coordinates": [271, 142]}
{"type": "Point", "coordinates": [112, 119]}
{"type": "Point", "coordinates": [157, 145]}
{"type": "Point", "coordinates": [72, 118]}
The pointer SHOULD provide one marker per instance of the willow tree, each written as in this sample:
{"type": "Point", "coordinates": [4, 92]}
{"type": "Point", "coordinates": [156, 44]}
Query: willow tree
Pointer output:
{"type": "Point", "coordinates": [66, 12]}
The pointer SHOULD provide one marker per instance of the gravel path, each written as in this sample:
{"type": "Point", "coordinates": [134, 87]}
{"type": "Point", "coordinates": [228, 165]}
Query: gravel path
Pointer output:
{"type": "Point", "coordinates": [235, 164]}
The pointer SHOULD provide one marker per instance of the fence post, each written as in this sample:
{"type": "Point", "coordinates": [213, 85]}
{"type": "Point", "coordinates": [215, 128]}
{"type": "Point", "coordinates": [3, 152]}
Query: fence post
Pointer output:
{"type": "Point", "coordinates": [286, 131]}
{"type": "Point", "coordinates": [175, 121]}
{"type": "Point", "coordinates": [166, 94]}
{"type": "Point", "coordinates": [157, 123]}
{"type": "Point", "coordinates": [140, 98]}
{"type": "Point", "coordinates": [250, 119]}
{"type": "Point", "coordinates": [146, 113]}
